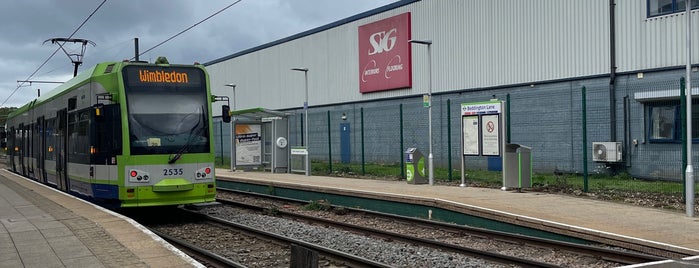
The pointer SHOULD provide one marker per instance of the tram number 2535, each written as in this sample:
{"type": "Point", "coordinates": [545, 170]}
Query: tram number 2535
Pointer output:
{"type": "Point", "coordinates": [173, 172]}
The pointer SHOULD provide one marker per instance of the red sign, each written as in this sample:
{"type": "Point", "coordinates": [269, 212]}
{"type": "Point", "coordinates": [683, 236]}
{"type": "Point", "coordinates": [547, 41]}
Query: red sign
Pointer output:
{"type": "Point", "coordinates": [384, 54]}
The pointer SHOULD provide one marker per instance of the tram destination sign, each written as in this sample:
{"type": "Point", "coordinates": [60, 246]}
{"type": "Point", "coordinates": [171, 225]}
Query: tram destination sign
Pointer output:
{"type": "Point", "coordinates": [161, 76]}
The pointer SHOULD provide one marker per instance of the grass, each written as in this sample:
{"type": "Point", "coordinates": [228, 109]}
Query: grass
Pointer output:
{"type": "Point", "coordinates": [318, 205]}
{"type": "Point", "coordinates": [493, 179]}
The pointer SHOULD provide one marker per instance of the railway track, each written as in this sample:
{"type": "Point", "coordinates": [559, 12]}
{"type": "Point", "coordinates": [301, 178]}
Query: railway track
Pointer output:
{"type": "Point", "coordinates": [241, 245]}
{"type": "Point", "coordinates": [608, 254]}
{"type": "Point", "coordinates": [498, 258]}
{"type": "Point", "coordinates": [206, 257]}
{"type": "Point", "coordinates": [342, 257]}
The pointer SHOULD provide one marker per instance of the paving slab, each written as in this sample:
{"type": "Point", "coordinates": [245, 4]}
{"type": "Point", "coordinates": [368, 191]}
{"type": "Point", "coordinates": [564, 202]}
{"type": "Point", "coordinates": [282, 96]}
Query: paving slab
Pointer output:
{"type": "Point", "coordinates": [42, 227]}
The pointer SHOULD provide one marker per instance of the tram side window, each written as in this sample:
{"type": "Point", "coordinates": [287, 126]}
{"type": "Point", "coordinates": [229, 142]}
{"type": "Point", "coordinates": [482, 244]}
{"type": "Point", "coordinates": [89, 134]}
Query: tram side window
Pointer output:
{"type": "Point", "coordinates": [108, 132]}
{"type": "Point", "coordinates": [50, 139]}
{"type": "Point", "coordinates": [11, 141]}
{"type": "Point", "coordinates": [25, 141]}
{"type": "Point", "coordinates": [18, 141]}
{"type": "Point", "coordinates": [78, 137]}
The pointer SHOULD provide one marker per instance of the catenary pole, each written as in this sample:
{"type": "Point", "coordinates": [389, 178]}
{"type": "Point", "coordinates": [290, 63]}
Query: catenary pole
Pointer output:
{"type": "Point", "coordinates": [689, 172]}
{"type": "Point", "coordinates": [430, 156]}
{"type": "Point", "coordinates": [305, 115]}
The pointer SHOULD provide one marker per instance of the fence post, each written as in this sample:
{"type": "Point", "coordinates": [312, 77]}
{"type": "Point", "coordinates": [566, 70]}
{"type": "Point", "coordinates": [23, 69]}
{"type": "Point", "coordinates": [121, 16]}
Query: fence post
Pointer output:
{"type": "Point", "coordinates": [302, 139]}
{"type": "Point", "coordinates": [584, 138]}
{"type": "Point", "coordinates": [330, 151]}
{"type": "Point", "coordinates": [449, 137]}
{"type": "Point", "coordinates": [363, 162]}
{"type": "Point", "coordinates": [507, 118]}
{"type": "Point", "coordinates": [402, 158]}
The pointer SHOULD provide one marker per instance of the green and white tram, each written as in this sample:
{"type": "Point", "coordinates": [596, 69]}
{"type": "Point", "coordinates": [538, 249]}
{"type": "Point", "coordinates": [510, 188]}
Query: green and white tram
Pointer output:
{"type": "Point", "coordinates": [124, 134]}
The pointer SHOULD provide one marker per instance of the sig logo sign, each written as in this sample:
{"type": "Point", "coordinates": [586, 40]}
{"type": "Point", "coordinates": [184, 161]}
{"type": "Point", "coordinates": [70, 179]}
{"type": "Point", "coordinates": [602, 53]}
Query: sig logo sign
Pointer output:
{"type": "Point", "coordinates": [382, 41]}
{"type": "Point", "coordinates": [384, 54]}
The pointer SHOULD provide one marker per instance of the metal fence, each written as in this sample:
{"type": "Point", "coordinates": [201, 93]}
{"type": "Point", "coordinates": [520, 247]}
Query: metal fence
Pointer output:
{"type": "Point", "coordinates": [638, 123]}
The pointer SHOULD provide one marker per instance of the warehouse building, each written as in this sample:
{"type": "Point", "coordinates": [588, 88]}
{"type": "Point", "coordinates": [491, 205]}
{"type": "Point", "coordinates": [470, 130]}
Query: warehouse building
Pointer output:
{"type": "Point", "coordinates": [614, 64]}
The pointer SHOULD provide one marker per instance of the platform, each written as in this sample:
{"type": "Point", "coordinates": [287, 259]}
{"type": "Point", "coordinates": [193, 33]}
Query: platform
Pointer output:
{"type": "Point", "coordinates": [594, 220]}
{"type": "Point", "coordinates": [42, 227]}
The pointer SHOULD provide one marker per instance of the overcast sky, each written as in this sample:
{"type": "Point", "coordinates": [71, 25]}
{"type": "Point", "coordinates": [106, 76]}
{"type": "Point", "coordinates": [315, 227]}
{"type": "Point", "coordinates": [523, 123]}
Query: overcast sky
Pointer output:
{"type": "Point", "coordinates": [25, 25]}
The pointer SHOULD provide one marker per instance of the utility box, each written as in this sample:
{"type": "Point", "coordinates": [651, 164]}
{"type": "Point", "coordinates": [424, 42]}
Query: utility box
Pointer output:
{"type": "Point", "coordinates": [517, 166]}
{"type": "Point", "coordinates": [415, 166]}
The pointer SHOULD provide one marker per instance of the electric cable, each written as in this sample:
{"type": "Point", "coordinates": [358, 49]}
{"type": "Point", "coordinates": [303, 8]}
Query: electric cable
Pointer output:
{"type": "Point", "coordinates": [53, 54]}
{"type": "Point", "coordinates": [190, 27]}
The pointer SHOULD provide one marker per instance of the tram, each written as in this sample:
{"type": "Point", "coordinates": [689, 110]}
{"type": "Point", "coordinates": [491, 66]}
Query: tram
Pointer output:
{"type": "Point", "coordinates": [123, 134]}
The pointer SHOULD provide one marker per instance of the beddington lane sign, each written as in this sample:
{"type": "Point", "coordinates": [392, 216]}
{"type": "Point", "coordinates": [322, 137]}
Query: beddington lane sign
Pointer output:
{"type": "Point", "coordinates": [481, 131]}
{"type": "Point", "coordinates": [482, 128]}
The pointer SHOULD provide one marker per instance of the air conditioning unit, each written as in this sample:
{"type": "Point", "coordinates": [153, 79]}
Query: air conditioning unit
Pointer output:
{"type": "Point", "coordinates": [606, 151]}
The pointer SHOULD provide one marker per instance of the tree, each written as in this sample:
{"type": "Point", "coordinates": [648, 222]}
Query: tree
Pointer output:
{"type": "Point", "coordinates": [4, 111]}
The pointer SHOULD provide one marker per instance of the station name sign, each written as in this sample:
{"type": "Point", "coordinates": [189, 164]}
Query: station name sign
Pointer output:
{"type": "Point", "coordinates": [480, 108]}
{"type": "Point", "coordinates": [162, 76]}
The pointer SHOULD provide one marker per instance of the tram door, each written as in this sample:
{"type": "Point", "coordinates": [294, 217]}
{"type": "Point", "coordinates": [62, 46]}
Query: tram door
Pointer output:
{"type": "Point", "coordinates": [40, 154]}
{"type": "Point", "coordinates": [22, 148]}
{"type": "Point", "coordinates": [11, 145]}
{"type": "Point", "coordinates": [29, 151]}
{"type": "Point", "coordinates": [61, 148]}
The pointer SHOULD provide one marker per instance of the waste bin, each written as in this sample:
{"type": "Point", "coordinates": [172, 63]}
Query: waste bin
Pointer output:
{"type": "Point", "coordinates": [517, 166]}
{"type": "Point", "coordinates": [415, 166]}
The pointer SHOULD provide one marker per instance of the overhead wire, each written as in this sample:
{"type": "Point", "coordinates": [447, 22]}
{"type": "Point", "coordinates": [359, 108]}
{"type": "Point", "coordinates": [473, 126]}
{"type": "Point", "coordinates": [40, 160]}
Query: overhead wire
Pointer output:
{"type": "Point", "coordinates": [144, 52]}
{"type": "Point", "coordinates": [189, 28]}
{"type": "Point", "coordinates": [52, 54]}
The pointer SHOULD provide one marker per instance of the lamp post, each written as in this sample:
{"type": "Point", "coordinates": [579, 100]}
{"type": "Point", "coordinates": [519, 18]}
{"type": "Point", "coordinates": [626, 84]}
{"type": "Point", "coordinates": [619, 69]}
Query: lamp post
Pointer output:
{"type": "Point", "coordinates": [305, 111]}
{"type": "Point", "coordinates": [430, 157]}
{"type": "Point", "coordinates": [232, 130]}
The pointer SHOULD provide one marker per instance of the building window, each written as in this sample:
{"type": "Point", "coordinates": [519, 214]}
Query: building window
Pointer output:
{"type": "Point", "coordinates": [665, 122]}
{"type": "Point", "coordinates": [664, 7]}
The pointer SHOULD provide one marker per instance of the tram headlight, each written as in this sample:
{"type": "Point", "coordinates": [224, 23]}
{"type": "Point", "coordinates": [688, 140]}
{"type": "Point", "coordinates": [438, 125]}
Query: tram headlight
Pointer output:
{"type": "Point", "coordinates": [136, 175]}
{"type": "Point", "coordinates": [204, 173]}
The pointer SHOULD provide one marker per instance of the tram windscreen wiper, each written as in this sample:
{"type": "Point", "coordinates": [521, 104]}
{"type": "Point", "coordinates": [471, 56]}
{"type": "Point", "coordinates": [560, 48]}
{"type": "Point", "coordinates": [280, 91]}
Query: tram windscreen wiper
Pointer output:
{"type": "Point", "coordinates": [176, 156]}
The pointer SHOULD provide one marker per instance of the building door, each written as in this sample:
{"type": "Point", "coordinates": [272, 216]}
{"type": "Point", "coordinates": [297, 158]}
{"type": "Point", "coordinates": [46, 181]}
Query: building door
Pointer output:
{"type": "Point", "coordinates": [345, 144]}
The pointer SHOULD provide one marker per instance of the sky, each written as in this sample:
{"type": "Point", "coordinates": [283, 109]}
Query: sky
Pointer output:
{"type": "Point", "coordinates": [26, 25]}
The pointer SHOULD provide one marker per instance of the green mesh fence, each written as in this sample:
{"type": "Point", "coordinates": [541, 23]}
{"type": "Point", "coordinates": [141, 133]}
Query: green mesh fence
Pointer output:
{"type": "Point", "coordinates": [633, 141]}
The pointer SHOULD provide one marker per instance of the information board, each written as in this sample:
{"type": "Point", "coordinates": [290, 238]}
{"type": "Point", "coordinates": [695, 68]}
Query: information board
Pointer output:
{"type": "Point", "coordinates": [248, 146]}
{"type": "Point", "coordinates": [471, 139]}
{"type": "Point", "coordinates": [481, 128]}
{"type": "Point", "coordinates": [491, 134]}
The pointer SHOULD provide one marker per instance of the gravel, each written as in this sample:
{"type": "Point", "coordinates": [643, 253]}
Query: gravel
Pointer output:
{"type": "Point", "coordinates": [397, 254]}
{"type": "Point", "coordinates": [373, 247]}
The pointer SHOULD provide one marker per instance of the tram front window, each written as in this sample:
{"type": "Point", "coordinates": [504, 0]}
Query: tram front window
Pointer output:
{"type": "Point", "coordinates": [168, 124]}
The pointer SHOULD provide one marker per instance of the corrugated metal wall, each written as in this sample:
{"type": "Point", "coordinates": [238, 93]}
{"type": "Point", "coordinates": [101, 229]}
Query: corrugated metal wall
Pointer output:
{"type": "Point", "coordinates": [476, 44]}
{"type": "Point", "coordinates": [647, 43]}
{"type": "Point", "coordinates": [492, 43]}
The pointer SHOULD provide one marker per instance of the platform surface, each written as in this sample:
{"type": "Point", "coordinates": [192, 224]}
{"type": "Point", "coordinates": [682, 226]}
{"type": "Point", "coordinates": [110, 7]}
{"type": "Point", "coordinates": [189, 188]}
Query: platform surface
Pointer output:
{"type": "Point", "coordinates": [41, 227]}
{"type": "Point", "coordinates": [658, 228]}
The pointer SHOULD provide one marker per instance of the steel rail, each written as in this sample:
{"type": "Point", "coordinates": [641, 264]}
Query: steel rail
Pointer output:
{"type": "Point", "coordinates": [623, 257]}
{"type": "Point", "coordinates": [491, 256]}
{"type": "Point", "coordinates": [352, 260]}
{"type": "Point", "coordinates": [210, 258]}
